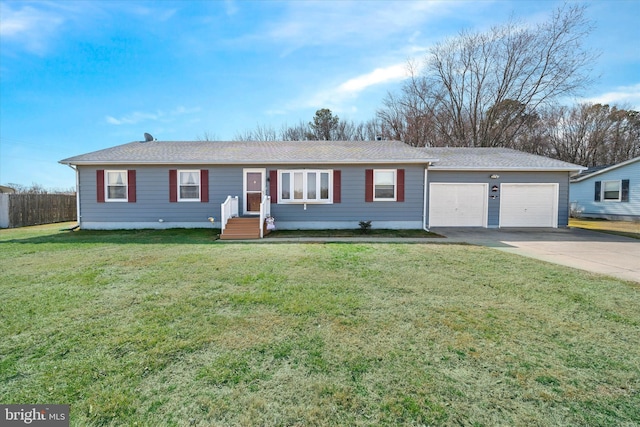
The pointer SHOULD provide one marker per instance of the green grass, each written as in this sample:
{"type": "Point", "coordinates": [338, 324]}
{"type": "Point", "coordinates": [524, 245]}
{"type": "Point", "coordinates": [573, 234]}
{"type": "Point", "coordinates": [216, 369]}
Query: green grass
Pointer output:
{"type": "Point", "coordinates": [376, 232]}
{"type": "Point", "coordinates": [174, 328]}
{"type": "Point", "coordinates": [621, 228]}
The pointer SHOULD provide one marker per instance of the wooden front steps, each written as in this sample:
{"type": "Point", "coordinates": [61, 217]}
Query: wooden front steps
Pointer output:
{"type": "Point", "coordinates": [242, 228]}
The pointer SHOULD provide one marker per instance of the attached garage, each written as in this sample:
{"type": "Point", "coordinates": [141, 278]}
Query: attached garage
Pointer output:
{"type": "Point", "coordinates": [458, 204]}
{"type": "Point", "coordinates": [529, 205]}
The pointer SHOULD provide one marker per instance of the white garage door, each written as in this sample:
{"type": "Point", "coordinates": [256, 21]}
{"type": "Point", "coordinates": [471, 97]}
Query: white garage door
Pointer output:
{"type": "Point", "coordinates": [529, 205]}
{"type": "Point", "coordinates": [458, 205]}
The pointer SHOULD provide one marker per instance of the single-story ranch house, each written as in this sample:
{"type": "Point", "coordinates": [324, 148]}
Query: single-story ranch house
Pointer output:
{"type": "Point", "coordinates": [318, 185]}
{"type": "Point", "coordinates": [611, 192]}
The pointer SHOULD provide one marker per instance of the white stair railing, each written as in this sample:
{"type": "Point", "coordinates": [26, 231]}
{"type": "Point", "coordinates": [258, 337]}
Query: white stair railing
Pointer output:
{"type": "Point", "coordinates": [265, 211]}
{"type": "Point", "coordinates": [228, 209]}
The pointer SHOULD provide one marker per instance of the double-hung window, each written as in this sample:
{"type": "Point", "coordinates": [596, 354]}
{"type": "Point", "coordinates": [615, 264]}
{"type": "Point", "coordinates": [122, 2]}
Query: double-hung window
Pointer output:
{"type": "Point", "coordinates": [116, 186]}
{"type": "Point", "coordinates": [384, 184]}
{"type": "Point", "coordinates": [189, 186]}
{"type": "Point", "coordinates": [611, 190]}
{"type": "Point", "coordinates": [305, 186]}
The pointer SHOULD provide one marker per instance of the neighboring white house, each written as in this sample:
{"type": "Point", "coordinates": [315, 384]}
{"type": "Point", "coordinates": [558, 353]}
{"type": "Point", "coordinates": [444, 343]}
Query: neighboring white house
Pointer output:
{"type": "Point", "coordinates": [6, 190]}
{"type": "Point", "coordinates": [612, 192]}
{"type": "Point", "coordinates": [4, 205]}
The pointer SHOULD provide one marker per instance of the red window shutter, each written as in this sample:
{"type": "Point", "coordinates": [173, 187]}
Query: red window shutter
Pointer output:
{"type": "Point", "coordinates": [204, 185]}
{"type": "Point", "coordinates": [400, 183]}
{"type": "Point", "coordinates": [273, 186]}
{"type": "Point", "coordinates": [131, 183]}
{"type": "Point", "coordinates": [368, 185]}
{"type": "Point", "coordinates": [337, 186]}
{"type": "Point", "coordinates": [100, 185]}
{"type": "Point", "coordinates": [173, 185]}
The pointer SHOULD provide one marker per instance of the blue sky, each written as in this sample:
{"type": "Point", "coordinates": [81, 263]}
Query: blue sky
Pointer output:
{"type": "Point", "coordinates": [78, 76]}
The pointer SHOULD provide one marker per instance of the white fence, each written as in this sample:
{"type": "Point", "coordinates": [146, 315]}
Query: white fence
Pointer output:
{"type": "Point", "coordinates": [265, 211]}
{"type": "Point", "coordinates": [228, 209]}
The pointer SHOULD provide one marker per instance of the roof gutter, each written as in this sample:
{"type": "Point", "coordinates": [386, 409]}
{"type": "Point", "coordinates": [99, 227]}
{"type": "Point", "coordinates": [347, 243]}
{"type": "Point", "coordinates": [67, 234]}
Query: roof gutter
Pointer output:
{"type": "Point", "coordinates": [248, 163]}
{"type": "Point", "coordinates": [507, 169]}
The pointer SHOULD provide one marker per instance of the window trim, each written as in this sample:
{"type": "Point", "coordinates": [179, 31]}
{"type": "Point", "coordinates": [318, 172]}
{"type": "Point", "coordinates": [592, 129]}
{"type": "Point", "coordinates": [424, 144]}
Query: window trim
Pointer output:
{"type": "Point", "coordinates": [126, 186]}
{"type": "Point", "coordinates": [179, 185]}
{"type": "Point", "coordinates": [603, 191]}
{"type": "Point", "coordinates": [395, 186]}
{"type": "Point", "coordinates": [305, 189]}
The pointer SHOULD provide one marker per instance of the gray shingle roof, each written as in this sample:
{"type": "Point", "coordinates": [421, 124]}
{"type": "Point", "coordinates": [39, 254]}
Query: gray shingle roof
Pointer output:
{"type": "Point", "coordinates": [254, 152]}
{"type": "Point", "coordinates": [317, 152]}
{"type": "Point", "coordinates": [486, 158]}
{"type": "Point", "coordinates": [599, 170]}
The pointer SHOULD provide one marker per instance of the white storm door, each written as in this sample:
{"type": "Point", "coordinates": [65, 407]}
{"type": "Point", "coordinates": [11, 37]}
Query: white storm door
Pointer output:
{"type": "Point", "coordinates": [254, 184]}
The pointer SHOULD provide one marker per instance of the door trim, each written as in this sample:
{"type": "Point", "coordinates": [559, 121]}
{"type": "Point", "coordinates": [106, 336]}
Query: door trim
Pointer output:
{"type": "Point", "coordinates": [245, 171]}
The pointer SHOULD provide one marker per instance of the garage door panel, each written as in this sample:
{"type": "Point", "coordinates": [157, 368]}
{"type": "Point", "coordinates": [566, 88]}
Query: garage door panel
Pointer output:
{"type": "Point", "coordinates": [458, 205]}
{"type": "Point", "coordinates": [529, 205]}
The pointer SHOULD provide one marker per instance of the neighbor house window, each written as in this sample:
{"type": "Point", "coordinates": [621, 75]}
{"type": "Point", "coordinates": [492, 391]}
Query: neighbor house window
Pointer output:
{"type": "Point", "coordinates": [611, 190]}
{"type": "Point", "coordinates": [305, 186]}
{"type": "Point", "coordinates": [384, 184]}
{"type": "Point", "coordinates": [116, 186]}
{"type": "Point", "coordinates": [189, 185]}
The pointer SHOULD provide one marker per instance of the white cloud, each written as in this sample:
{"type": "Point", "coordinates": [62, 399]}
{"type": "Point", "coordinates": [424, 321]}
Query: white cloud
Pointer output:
{"type": "Point", "coordinates": [319, 23]}
{"type": "Point", "coordinates": [622, 95]}
{"type": "Point", "coordinates": [133, 118]}
{"type": "Point", "coordinates": [139, 116]}
{"type": "Point", "coordinates": [339, 97]}
{"type": "Point", "coordinates": [392, 73]}
{"type": "Point", "coordinates": [154, 14]}
{"type": "Point", "coordinates": [230, 7]}
{"type": "Point", "coordinates": [34, 25]}
{"type": "Point", "coordinates": [29, 26]}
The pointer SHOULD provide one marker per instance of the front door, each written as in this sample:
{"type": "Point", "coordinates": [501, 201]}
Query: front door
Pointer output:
{"type": "Point", "coordinates": [254, 186]}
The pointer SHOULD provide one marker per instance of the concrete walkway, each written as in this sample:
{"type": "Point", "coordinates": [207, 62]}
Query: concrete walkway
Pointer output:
{"type": "Point", "coordinates": [592, 251]}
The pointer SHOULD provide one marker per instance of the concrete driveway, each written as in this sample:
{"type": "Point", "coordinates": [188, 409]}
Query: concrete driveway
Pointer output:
{"type": "Point", "coordinates": [602, 253]}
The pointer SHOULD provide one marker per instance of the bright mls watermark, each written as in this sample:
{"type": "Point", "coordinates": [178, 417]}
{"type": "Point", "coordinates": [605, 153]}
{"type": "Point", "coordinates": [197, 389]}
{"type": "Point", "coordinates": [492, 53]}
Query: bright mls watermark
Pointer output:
{"type": "Point", "coordinates": [34, 415]}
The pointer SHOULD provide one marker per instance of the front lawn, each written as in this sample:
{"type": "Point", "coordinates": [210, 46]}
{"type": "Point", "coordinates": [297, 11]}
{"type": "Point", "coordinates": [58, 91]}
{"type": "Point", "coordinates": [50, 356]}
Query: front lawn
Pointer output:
{"type": "Point", "coordinates": [155, 328]}
{"type": "Point", "coordinates": [622, 228]}
{"type": "Point", "coordinates": [375, 232]}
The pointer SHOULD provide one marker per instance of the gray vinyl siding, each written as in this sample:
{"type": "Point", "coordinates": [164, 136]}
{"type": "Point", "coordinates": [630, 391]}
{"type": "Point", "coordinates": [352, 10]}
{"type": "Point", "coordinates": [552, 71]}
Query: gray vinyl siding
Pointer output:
{"type": "Point", "coordinates": [152, 197]}
{"type": "Point", "coordinates": [493, 215]}
{"type": "Point", "coordinates": [353, 206]}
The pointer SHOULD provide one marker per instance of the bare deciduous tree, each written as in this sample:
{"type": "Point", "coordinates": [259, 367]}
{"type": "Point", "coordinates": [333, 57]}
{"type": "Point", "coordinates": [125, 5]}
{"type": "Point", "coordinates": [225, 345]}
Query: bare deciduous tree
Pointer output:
{"type": "Point", "coordinates": [470, 82]}
{"type": "Point", "coordinates": [260, 133]}
{"type": "Point", "coordinates": [207, 136]}
{"type": "Point", "coordinates": [325, 126]}
{"type": "Point", "coordinates": [297, 132]}
{"type": "Point", "coordinates": [592, 134]}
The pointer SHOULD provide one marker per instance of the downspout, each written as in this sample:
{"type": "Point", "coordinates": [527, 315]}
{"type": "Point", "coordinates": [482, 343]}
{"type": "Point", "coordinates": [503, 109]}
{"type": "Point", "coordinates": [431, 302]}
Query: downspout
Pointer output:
{"type": "Point", "coordinates": [78, 216]}
{"type": "Point", "coordinates": [424, 207]}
